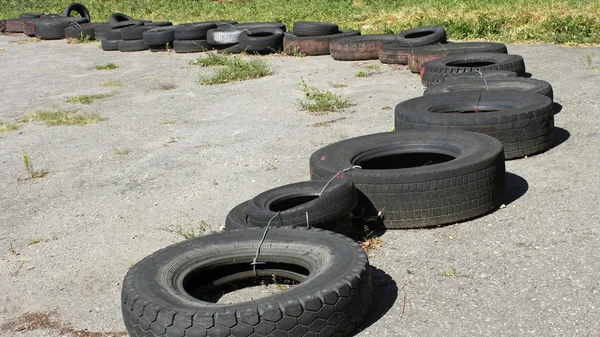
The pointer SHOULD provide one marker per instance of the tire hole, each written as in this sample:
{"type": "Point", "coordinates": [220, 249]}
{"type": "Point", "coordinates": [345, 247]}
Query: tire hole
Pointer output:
{"type": "Point", "coordinates": [418, 35]}
{"type": "Point", "coordinates": [403, 160]}
{"type": "Point", "coordinates": [470, 63]}
{"type": "Point", "coordinates": [287, 203]}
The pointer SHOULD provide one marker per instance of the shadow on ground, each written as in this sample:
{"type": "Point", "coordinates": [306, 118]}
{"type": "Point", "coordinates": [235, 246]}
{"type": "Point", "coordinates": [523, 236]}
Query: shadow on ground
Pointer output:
{"type": "Point", "coordinates": [384, 295]}
{"type": "Point", "coordinates": [516, 187]}
{"type": "Point", "coordinates": [560, 136]}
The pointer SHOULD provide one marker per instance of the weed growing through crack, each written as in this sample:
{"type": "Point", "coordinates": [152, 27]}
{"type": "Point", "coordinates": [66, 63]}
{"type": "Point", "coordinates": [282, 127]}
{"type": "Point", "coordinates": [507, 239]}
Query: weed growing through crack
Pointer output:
{"type": "Point", "coordinates": [8, 127]}
{"type": "Point", "coordinates": [318, 101]}
{"type": "Point", "coordinates": [168, 122]}
{"type": "Point", "coordinates": [368, 71]}
{"type": "Point", "coordinates": [452, 272]}
{"type": "Point", "coordinates": [111, 84]}
{"type": "Point", "coordinates": [31, 172]}
{"type": "Point", "coordinates": [106, 66]}
{"type": "Point", "coordinates": [233, 68]}
{"type": "Point", "coordinates": [188, 230]}
{"type": "Point", "coordinates": [83, 38]}
{"type": "Point", "coordinates": [122, 152]}
{"type": "Point", "coordinates": [295, 52]}
{"type": "Point", "coordinates": [87, 99]}
{"type": "Point", "coordinates": [590, 61]}
{"type": "Point", "coordinates": [52, 118]}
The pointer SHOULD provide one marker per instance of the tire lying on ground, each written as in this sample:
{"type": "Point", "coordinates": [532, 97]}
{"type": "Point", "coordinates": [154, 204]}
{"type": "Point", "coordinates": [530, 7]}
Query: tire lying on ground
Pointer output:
{"type": "Point", "coordinates": [110, 45]}
{"type": "Point", "coordinates": [314, 28]}
{"type": "Point", "coordinates": [2, 26]}
{"type": "Point", "coordinates": [14, 25]}
{"type": "Point", "coordinates": [118, 17]}
{"type": "Point", "coordinates": [195, 31]}
{"type": "Point", "coordinates": [435, 71]}
{"type": "Point", "coordinates": [494, 74]}
{"type": "Point", "coordinates": [79, 8]}
{"type": "Point", "coordinates": [237, 217]}
{"type": "Point", "coordinates": [131, 45]}
{"type": "Point", "coordinates": [516, 83]}
{"type": "Point", "coordinates": [173, 291]}
{"type": "Point", "coordinates": [229, 34]}
{"type": "Point", "coordinates": [523, 121]}
{"type": "Point", "coordinates": [159, 36]}
{"type": "Point", "coordinates": [313, 45]}
{"type": "Point", "coordinates": [363, 47]}
{"type": "Point", "coordinates": [421, 36]}
{"type": "Point", "coordinates": [420, 178]}
{"type": "Point", "coordinates": [191, 46]}
{"type": "Point", "coordinates": [31, 15]}
{"type": "Point", "coordinates": [79, 31]}
{"type": "Point", "coordinates": [325, 210]}
{"type": "Point", "coordinates": [50, 29]}
{"type": "Point", "coordinates": [435, 51]}
{"type": "Point", "coordinates": [393, 53]}
{"type": "Point", "coordinates": [262, 40]}
{"type": "Point", "coordinates": [134, 32]}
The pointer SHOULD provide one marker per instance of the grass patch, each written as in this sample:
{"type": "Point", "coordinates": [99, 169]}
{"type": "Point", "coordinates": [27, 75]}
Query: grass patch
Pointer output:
{"type": "Point", "coordinates": [318, 101]}
{"type": "Point", "coordinates": [52, 118]}
{"type": "Point", "coordinates": [452, 272]}
{"type": "Point", "coordinates": [168, 122]}
{"type": "Point", "coordinates": [106, 66]}
{"type": "Point", "coordinates": [31, 173]}
{"type": "Point", "coordinates": [368, 71]}
{"type": "Point", "coordinates": [87, 99]}
{"type": "Point", "coordinates": [189, 230]}
{"type": "Point", "coordinates": [84, 38]}
{"type": "Point", "coordinates": [122, 152]}
{"type": "Point", "coordinates": [111, 84]}
{"type": "Point", "coordinates": [233, 68]}
{"type": "Point", "coordinates": [8, 127]}
{"type": "Point", "coordinates": [590, 62]}
{"type": "Point", "coordinates": [30, 40]}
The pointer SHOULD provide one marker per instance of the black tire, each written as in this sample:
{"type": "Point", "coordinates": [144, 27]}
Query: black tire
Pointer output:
{"type": "Point", "coordinates": [313, 28]}
{"type": "Point", "coordinates": [363, 47]}
{"type": "Point", "coordinates": [229, 34]}
{"type": "Point", "coordinates": [332, 298]}
{"type": "Point", "coordinates": [132, 45]}
{"type": "Point", "coordinates": [128, 23]}
{"type": "Point", "coordinates": [435, 71]}
{"type": "Point", "coordinates": [235, 49]}
{"type": "Point", "coordinates": [31, 15]}
{"type": "Point", "coordinates": [313, 45]}
{"type": "Point", "coordinates": [417, 179]}
{"type": "Point", "coordinates": [516, 83]}
{"type": "Point", "coordinates": [29, 26]}
{"type": "Point", "coordinates": [439, 50]}
{"type": "Point", "coordinates": [159, 36]}
{"type": "Point", "coordinates": [110, 45]}
{"type": "Point", "coordinates": [262, 40]}
{"type": "Point", "coordinates": [497, 74]}
{"type": "Point", "coordinates": [293, 201]}
{"type": "Point", "coordinates": [394, 54]}
{"type": "Point", "coordinates": [421, 36]}
{"type": "Point", "coordinates": [77, 31]}
{"type": "Point", "coordinates": [118, 17]}
{"type": "Point", "coordinates": [113, 34]}
{"type": "Point", "coordinates": [2, 26]}
{"type": "Point", "coordinates": [196, 31]}
{"type": "Point", "coordinates": [50, 29]}
{"type": "Point", "coordinates": [191, 46]}
{"type": "Point", "coordinates": [134, 32]}
{"type": "Point", "coordinates": [158, 23]}
{"type": "Point", "coordinates": [79, 8]}
{"type": "Point", "coordinates": [237, 217]}
{"type": "Point", "coordinates": [523, 121]}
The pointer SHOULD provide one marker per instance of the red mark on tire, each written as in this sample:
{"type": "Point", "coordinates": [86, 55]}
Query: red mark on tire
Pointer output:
{"type": "Point", "coordinates": [323, 158]}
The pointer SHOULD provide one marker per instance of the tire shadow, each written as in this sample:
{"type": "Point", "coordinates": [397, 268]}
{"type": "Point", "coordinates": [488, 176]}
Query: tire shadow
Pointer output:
{"type": "Point", "coordinates": [384, 294]}
{"type": "Point", "coordinates": [516, 187]}
{"type": "Point", "coordinates": [560, 136]}
{"type": "Point", "coordinates": [557, 107]}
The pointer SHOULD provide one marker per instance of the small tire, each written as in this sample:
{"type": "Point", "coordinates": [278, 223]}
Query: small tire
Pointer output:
{"type": "Point", "coordinates": [523, 121]}
{"type": "Point", "coordinates": [415, 179]}
{"type": "Point", "coordinates": [118, 17]}
{"type": "Point", "coordinates": [191, 46]}
{"type": "Point", "coordinates": [262, 40]}
{"type": "Point", "coordinates": [196, 31]}
{"type": "Point", "coordinates": [421, 36]}
{"type": "Point", "coordinates": [313, 28]}
{"type": "Point", "coordinates": [515, 83]}
{"type": "Point", "coordinates": [313, 45]}
{"type": "Point", "coordinates": [363, 47]}
{"type": "Point", "coordinates": [110, 45]}
{"type": "Point", "coordinates": [435, 51]}
{"type": "Point", "coordinates": [435, 71]}
{"type": "Point", "coordinates": [132, 45]}
{"type": "Point", "coordinates": [79, 8]}
{"type": "Point", "coordinates": [171, 289]}
{"type": "Point", "coordinates": [293, 201]}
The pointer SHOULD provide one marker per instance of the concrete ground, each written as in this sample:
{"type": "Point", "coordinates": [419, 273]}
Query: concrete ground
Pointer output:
{"type": "Point", "coordinates": [174, 154]}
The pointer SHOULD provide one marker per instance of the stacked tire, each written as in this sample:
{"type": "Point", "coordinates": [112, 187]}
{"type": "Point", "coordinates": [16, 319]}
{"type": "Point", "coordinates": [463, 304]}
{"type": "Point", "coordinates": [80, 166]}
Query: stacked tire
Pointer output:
{"type": "Point", "coordinates": [312, 38]}
{"type": "Point", "coordinates": [252, 37]}
{"type": "Point", "coordinates": [397, 52]}
{"type": "Point", "coordinates": [191, 38]}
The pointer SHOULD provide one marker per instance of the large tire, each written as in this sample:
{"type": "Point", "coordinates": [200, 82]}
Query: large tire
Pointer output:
{"type": "Point", "coordinates": [132, 45]}
{"type": "Point", "coordinates": [394, 53]}
{"type": "Point", "coordinates": [515, 83]}
{"type": "Point", "coordinates": [196, 31]}
{"type": "Point", "coordinates": [167, 292]}
{"type": "Point", "coordinates": [417, 179]}
{"type": "Point", "coordinates": [434, 72]}
{"type": "Point", "coordinates": [262, 40]}
{"type": "Point", "coordinates": [293, 201]}
{"type": "Point", "coordinates": [313, 45]}
{"type": "Point", "coordinates": [363, 47]}
{"type": "Point", "coordinates": [110, 45]}
{"type": "Point", "coordinates": [421, 36]}
{"type": "Point", "coordinates": [159, 36]}
{"type": "Point", "coordinates": [79, 8]}
{"type": "Point", "coordinates": [496, 74]}
{"type": "Point", "coordinates": [50, 29]}
{"type": "Point", "coordinates": [134, 32]}
{"type": "Point", "coordinates": [523, 121]}
{"type": "Point", "coordinates": [313, 28]}
{"type": "Point", "coordinates": [439, 50]}
{"type": "Point", "coordinates": [191, 46]}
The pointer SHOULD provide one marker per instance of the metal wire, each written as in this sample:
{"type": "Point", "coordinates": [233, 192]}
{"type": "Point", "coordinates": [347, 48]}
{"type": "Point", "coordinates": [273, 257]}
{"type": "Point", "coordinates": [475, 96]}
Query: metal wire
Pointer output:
{"type": "Point", "coordinates": [337, 174]}
{"type": "Point", "coordinates": [254, 260]}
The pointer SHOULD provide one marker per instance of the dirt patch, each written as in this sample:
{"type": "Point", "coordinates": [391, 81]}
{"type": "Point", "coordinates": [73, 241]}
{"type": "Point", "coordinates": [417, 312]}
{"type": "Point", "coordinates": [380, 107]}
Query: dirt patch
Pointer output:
{"type": "Point", "coordinates": [33, 321]}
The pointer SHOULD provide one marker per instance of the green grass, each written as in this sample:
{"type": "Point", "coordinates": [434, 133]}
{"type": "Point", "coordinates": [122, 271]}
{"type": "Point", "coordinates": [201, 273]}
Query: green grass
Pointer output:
{"type": "Point", "coordinates": [52, 118]}
{"type": "Point", "coordinates": [84, 38]}
{"type": "Point", "coordinates": [106, 66]}
{"type": "Point", "coordinates": [122, 152]}
{"type": "Point", "coordinates": [232, 68]}
{"type": "Point", "coordinates": [113, 83]}
{"type": "Point", "coordinates": [31, 173]}
{"type": "Point", "coordinates": [559, 21]}
{"type": "Point", "coordinates": [87, 99]}
{"type": "Point", "coordinates": [318, 101]}
{"type": "Point", "coordinates": [368, 71]}
{"type": "Point", "coordinates": [8, 127]}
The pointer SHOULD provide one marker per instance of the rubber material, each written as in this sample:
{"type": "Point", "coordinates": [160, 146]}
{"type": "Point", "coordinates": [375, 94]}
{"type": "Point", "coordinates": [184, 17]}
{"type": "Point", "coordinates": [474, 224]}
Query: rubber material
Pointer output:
{"type": "Point", "coordinates": [118, 17]}
{"type": "Point", "coordinates": [333, 298]}
{"type": "Point", "coordinates": [421, 36]}
{"type": "Point", "coordinates": [50, 29]}
{"type": "Point", "coordinates": [313, 45]}
{"type": "Point", "coordinates": [31, 15]}
{"type": "Point", "coordinates": [408, 186]}
{"type": "Point", "coordinates": [313, 28]}
{"type": "Point", "coordinates": [435, 51]}
{"type": "Point", "coordinates": [435, 71]}
{"type": "Point", "coordinates": [2, 26]}
{"type": "Point", "coordinates": [293, 201]}
{"type": "Point", "coordinates": [495, 74]}
{"type": "Point", "coordinates": [237, 217]}
{"type": "Point", "coordinates": [516, 83]}
{"type": "Point", "coordinates": [77, 31]}
{"type": "Point", "coordinates": [79, 8]}
{"type": "Point", "coordinates": [196, 31]}
{"type": "Point", "coordinates": [132, 45]}
{"type": "Point", "coordinates": [159, 36]}
{"type": "Point", "coordinates": [263, 40]}
{"type": "Point", "coordinates": [394, 53]}
{"type": "Point", "coordinates": [110, 45]}
{"type": "Point", "coordinates": [191, 46]}
{"type": "Point", "coordinates": [14, 25]}
{"type": "Point", "coordinates": [363, 47]}
{"type": "Point", "coordinates": [158, 23]}
{"type": "Point", "coordinates": [229, 34]}
{"type": "Point", "coordinates": [134, 32]}
{"type": "Point", "coordinates": [523, 121]}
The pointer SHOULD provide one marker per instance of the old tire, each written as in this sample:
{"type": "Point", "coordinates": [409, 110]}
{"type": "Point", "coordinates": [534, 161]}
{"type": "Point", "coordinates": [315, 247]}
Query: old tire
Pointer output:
{"type": "Point", "coordinates": [191, 46]}
{"type": "Point", "coordinates": [394, 54]}
{"type": "Point", "coordinates": [495, 74]}
{"type": "Point", "coordinates": [79, 8]}
{"type": "Point", "coordinates": [237, 217]}
{"type": "Point", "coordinates": [435, 71]}
{"type": "Point", "coordinates": [523, 121]}
{"type": "Point", "coordinates": [363, 47]}
{"type": "Point", "coordinates": [50, 29]}
{"type": "Point", "coordinates": [293, 201]}
{"type": "Point", "coordinates": [421, 36]}
{"type": "Point", "coordinates": [313, 28]}
{"type": "Point", "coordinates": [439, 50]}
{"type": "Point", "coordinates": [132, 45]}
{"type": "Point", "coordinates": [109, 45]}
{"type": "Point", "coordinates": [195, 31]}
{"type": "Point", "coordinates": [262, 40]}
{"type": "Point", "coordinates": [415, 179]}
{"type": "Point", "coordinates": [134, 32]}
{"type": "Point", "coordinates": [80, 31]}
{"type": "Point", "coordinates": [167, 292]}
{"type": "Point", "coordinates": [118, 17]}
{"type": "Point", "coordinates": [229, 34]}
{"type": "Point", "coordinates": [516, 83]}
{"type": "Point", "coordinates": [159, 36]}
{"type": "Point", "coordinates": [313, 45]}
